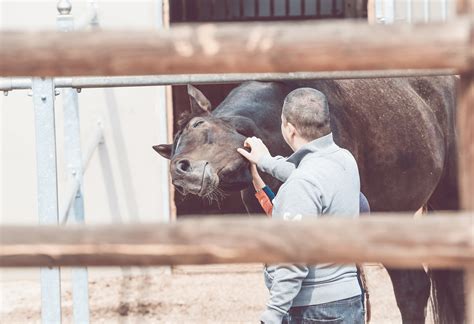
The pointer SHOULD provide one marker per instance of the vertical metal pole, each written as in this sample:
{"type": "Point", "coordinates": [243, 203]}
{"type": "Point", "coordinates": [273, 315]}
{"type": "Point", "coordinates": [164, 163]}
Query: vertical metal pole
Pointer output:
{"type": "Point", "coordinates": [94, 22]}
{"type": "Point", "coordinates": [73, 156]}
{"type": "Point", "coordinates": [389, 11]}
{"type": "Point", "coordinates": [160, 21]}
{"type": "Point", "coordinates": [409, 19]}
{"type": "Point", "coordinates": [379, 12]}
{"type": "Point", "coordinates": [426, 10]}
{"type": "Point", "coordinates": [43, 100]}
{"type": "Point", "coordinates": [444, 10]}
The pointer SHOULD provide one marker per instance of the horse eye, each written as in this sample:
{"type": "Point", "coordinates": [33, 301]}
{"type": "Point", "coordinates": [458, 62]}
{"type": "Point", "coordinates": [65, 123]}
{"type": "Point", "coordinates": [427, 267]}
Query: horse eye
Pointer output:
{"type": "Point", "coordinates": [196, 124]}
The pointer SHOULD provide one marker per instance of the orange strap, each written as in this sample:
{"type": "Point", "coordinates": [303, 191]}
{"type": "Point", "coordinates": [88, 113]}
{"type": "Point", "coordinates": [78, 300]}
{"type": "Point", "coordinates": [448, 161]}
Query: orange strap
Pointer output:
{"type": "Point", "coordinates": [265, 202]}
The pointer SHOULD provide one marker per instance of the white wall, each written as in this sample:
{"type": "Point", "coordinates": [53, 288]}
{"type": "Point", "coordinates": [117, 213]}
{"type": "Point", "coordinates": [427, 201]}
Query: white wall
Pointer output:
{"type": "Point", "coordinates": [411, 11]}
{"type": "Point", "coordinates": [125, 169]}
{"type": "Point", "coordinates": [131, 175]}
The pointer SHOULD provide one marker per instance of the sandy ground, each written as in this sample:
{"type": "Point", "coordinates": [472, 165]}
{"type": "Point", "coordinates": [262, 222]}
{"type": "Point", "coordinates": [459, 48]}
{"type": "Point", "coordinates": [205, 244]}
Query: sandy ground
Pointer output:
{"type": "Point", "coordinates": [212, 294]}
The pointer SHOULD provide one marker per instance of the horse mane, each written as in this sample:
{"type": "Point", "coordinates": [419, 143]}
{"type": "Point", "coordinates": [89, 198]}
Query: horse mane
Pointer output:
{"type": "Point", "coordinates": [186, 117]}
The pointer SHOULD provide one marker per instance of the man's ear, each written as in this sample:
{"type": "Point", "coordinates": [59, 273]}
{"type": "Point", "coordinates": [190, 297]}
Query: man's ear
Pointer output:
{"type": "Point", "coordinates": [164, 150]}
{"type": "Point", "coordinates": [197, 100]}
{"type": "Point", "coordinates": [291, 129]}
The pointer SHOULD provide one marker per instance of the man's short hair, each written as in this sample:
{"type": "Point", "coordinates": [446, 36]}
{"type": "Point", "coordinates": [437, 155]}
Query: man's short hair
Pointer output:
{"type": "Point", "coordinates": [307, 109]}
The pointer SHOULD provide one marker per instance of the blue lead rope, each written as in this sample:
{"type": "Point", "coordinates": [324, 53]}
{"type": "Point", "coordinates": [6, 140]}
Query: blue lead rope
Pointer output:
{"type": "Point", "coordinates": [270, 194]}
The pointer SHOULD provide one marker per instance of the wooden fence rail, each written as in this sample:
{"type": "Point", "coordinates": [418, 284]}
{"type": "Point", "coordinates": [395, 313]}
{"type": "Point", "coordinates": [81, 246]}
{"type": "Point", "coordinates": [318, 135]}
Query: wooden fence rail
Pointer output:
{"type": "Point", "coordinates": [439, 241]}
{"type": "Point", "coordinates": [282, 47]}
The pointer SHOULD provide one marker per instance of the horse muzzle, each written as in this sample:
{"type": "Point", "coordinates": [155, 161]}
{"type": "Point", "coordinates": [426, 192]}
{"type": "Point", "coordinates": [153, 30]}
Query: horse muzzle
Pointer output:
{"type": "Point", "coordinates": [194, 177]}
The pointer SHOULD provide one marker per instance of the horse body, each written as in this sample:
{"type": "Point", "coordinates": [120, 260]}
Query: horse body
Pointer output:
{"type": "Point", "coordinates": [395, 135]}
{"type": "Point", "coordinates": [401, 132]}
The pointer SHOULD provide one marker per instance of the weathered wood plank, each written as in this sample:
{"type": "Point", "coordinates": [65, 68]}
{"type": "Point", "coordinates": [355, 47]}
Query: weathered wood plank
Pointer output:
{"type": "Point", "coordinates": [469, 282]}
{"type": "Point", "coordinates": [394, 241]}
{"type": "Point", "coordinates": [242, 48]}
{"type": "Point", "coordinates": [464, 7]}
{"type": "Point", "coordinates": [465, 124]}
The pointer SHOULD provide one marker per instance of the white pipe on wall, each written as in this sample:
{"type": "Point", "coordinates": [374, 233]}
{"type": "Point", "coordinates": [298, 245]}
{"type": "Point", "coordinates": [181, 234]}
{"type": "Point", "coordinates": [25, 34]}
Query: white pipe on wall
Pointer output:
{"type": "Point", "coordinates": [165, 213]}
{"type": "Point", "coordinates": [408, 12]}
{"type": "Point", "coordinates": [426, 10]}
{"type": "Point", "coordinates": [379, 11]}
{"type": "Point", "coordinates": [389, 10]}
{"type": "Point", "coordinates": [444, 10]}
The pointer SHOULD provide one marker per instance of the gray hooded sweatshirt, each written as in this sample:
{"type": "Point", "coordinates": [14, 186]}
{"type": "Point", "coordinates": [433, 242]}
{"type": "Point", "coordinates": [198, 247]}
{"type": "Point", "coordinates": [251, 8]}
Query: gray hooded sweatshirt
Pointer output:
{"type": "Point", "coordinates": [320, 179]}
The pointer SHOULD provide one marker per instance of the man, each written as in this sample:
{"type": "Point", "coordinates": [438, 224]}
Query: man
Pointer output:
{"type": "Point", "coordinates": [320, 179]}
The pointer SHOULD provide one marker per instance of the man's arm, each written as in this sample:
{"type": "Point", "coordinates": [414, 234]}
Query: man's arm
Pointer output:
{"type": "Point", "coordinates": [298, 199]}
{"type": "Point", "coordinates": [278, 167]}
{"type": "Point", "coordinates": [286, 285]}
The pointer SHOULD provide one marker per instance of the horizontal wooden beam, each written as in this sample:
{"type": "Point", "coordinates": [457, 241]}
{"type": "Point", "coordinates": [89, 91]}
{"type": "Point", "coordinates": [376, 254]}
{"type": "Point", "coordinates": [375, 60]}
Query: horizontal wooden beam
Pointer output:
{"type": "Point", "coordinates": [395, 241]}
{"type": "Point", "coordinates": [239, 48]}
{"type": "Point", "coordinates": [464, 7]}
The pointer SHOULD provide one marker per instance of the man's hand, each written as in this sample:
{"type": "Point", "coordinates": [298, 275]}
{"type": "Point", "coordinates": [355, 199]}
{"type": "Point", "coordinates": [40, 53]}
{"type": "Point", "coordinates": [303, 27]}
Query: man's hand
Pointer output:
{"type": "Point", "coordinates": [257, 149]}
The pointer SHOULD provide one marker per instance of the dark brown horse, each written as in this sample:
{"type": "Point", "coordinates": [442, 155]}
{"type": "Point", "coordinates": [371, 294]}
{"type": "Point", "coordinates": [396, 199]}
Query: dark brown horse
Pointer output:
{"type": "Point", "coordinates": [401, 132]}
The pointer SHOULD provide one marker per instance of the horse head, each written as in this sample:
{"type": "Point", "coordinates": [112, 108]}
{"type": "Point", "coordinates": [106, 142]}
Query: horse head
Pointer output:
{"type": "Point", "coordinates": [204, 157]}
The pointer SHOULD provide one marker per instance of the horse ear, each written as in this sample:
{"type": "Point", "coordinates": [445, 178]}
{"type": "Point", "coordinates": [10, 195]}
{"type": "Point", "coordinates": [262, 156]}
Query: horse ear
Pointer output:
{"type": "Point", "coordinates": [164, 150]}
{"type": "Point", "coordinates": [198, 100]}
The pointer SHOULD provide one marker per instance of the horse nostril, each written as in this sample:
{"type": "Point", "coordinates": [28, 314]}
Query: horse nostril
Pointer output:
{"type": "Point", "coordinates": [183, 165]}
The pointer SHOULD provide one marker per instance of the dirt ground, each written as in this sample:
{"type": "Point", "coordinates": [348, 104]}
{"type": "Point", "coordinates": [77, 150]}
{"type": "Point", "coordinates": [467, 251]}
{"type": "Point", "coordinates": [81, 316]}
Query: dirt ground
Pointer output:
{"type": "Point", "coordinates": [211, 294]}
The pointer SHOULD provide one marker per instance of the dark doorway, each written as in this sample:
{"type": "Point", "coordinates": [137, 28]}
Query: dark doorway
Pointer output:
{"type": "Point", "coordinates": [193, 205]}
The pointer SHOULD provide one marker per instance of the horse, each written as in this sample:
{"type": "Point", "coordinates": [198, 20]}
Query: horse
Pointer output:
{"type": "Point", "coordinates": [401, 132]}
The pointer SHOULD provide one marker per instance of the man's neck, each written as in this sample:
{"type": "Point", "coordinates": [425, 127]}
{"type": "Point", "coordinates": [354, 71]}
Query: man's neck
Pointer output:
{"type": "Point", "coordinates": [298, 143]}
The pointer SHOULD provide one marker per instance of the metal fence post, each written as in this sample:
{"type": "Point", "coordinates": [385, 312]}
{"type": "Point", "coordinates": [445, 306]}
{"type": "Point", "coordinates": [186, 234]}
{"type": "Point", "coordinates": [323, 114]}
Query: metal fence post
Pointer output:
{"type": "Point", "coordinates": [426, 11]}
{"type": "Point", "coordinates": [73, 156]}
{"type": "Point", "coordinates": [43, 100]}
